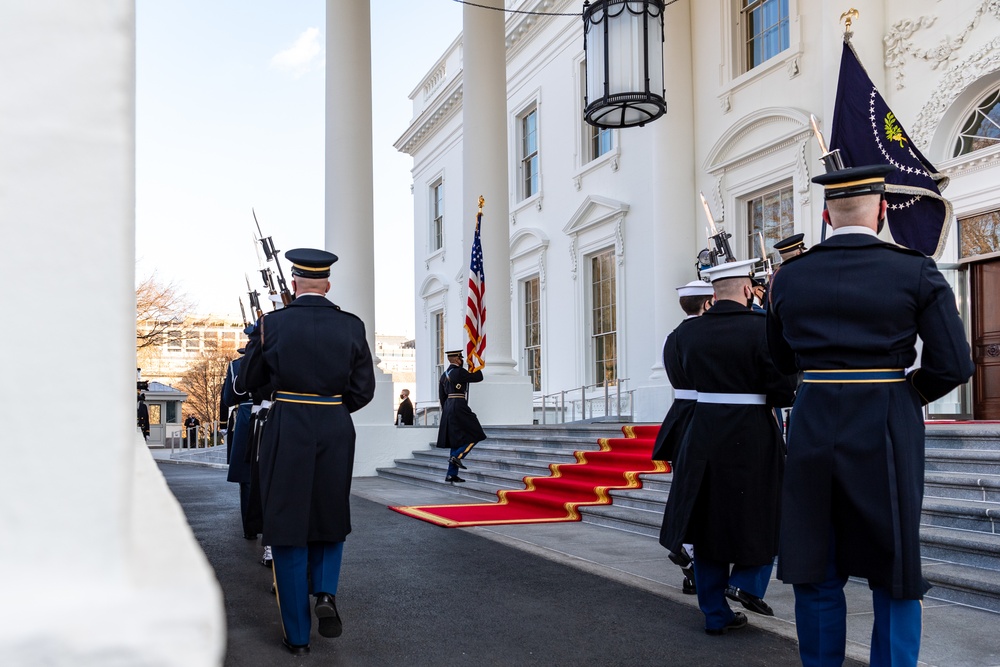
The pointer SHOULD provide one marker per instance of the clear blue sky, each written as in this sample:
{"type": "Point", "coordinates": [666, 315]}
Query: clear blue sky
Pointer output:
{"type": "Point", "coordinates": [230, 116]}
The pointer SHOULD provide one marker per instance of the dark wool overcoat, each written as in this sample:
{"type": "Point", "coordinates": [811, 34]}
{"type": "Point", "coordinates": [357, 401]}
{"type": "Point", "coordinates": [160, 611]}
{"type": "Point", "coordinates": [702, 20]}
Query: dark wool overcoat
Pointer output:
{"type": "Point", "coordinates": [726, 490]}
{"type": "Point", "coordinates": [459, 426]}
{"type": "Point", "coordinates": [678, 417]}
{"type": "Point", "coordinates": [239, 439]}
{"type": "Point", "coordinates": [307, 451]}
{"type": "Point", "coordinates": [856, 450]}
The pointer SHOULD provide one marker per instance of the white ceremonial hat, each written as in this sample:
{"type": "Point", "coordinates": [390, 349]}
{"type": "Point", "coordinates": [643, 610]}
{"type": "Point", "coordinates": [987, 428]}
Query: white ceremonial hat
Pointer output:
{"type": "Point", "coordinates": [742, 269]}
{"type": "Point", "coordinates": [696, 288]}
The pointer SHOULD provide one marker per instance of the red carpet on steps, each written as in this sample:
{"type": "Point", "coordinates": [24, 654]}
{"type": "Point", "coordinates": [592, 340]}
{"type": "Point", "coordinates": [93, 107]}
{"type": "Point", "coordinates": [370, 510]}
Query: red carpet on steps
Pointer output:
{"type": "Point", "coordinates": [556, 498]}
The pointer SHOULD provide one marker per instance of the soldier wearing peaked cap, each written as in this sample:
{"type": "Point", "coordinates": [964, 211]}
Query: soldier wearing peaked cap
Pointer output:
{"type": "Point", "coordinates": [724, 498]}
{"type": "Point", "coordinates": [238, 437]}
{"type": "Point", "coordinates": [459, 430]}
{"type": "Point", "coordinates": [695, 298]}
{"type": "Point", "coordinates": [847, 314]}
{"type": "Point", "coordinates": [316, 356]}
{"type": "Point", "coordinates": [791, 246]}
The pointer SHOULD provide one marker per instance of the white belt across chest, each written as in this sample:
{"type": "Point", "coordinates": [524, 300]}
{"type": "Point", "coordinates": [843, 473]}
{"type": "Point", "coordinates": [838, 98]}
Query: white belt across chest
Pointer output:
{"type": "Point", "coordinates": [686, 394]}
{"type": "Point", "coordinates": [732, 399]}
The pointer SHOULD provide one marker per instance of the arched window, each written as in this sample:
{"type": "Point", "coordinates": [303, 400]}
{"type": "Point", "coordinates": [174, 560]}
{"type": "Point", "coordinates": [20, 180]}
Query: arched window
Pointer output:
{"type": "Point", "coordinates": [982, 128]}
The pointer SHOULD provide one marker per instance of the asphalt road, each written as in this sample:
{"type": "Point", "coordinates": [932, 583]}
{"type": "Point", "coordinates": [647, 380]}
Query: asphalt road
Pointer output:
{"type": "Point", "coordinates": [412, 593]}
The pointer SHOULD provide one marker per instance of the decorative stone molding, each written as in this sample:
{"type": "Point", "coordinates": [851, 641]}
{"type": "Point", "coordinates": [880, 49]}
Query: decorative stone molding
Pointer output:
{"type": "Point", "coordinates": [897, 39]}
{"type": "Point", "coordinates": [792, 67]}
{"type": "Point", "coordinates": [573, 267]}
{"type": "Point", "coordinates": [718, 200]}
{"type": "Point", "coordinates": [523, 24]}
{"type": "Point", "coordinates": [726, 102]}
{"type": "Point", "coordinates": [802, 168]}
{"type": "Point", "coordinates": [435, 80]}
{"type": "Point", "coordinates": [952, 84]}
{"type": "Point", "coordinates": [620, 239]}
{"type": "Point", "coordinates": [431, 119]}
{"type": "Point", "coordinates": [577, 182]}
{"type": "Point", "coordinates": [614, 164]}
{"type": "Point", "coordinates": [541, 271]}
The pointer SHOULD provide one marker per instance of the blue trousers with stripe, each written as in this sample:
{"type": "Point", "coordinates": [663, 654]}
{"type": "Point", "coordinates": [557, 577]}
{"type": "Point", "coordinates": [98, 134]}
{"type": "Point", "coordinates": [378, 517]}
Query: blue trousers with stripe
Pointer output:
{"type": "Point", "coordinates": [711, 579]}
{"type": "Point", "coordinates": [293, 569]}
{"type": "Point", "coordinates": [459, 453]}
{"type": "Point", "coordinates": [821, 623]}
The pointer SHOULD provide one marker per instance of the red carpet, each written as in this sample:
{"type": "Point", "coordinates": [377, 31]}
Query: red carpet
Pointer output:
{"type": "Point", "coordinates": [555, 498]}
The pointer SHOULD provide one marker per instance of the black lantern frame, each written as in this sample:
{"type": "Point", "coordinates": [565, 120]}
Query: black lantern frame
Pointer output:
{"type": "Point", "coordinates": [629, 94]}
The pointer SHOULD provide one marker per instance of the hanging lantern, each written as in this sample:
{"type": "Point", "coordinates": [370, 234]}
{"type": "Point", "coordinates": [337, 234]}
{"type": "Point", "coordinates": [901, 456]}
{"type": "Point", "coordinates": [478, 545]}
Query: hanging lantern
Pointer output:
{"type": "Point", "coordinates": [623, 41]}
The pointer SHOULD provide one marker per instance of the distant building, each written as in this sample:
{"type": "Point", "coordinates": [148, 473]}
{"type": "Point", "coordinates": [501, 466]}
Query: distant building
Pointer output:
{"type": "Point", "coordinates": [185, 343]}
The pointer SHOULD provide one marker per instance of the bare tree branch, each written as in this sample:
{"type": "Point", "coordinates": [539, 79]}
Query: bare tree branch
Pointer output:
{"type": "Point", "coordinates": [161, 311]}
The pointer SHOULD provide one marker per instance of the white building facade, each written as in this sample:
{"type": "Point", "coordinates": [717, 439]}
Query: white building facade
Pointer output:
{"type": "Point", "coordinates": [604, 224]}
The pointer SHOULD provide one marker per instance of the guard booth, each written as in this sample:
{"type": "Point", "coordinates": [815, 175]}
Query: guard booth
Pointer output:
{"type": "Point", "coordinates": [164, 403]}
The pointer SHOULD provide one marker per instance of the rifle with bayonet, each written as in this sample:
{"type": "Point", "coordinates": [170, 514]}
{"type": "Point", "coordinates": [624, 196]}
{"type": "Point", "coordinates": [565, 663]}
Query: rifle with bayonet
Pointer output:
{"type": "Point", "coordinates": [720, 239]}
{"type": "Point", "coordinates": [243, 312]}
{"type": "Point", "coordinates": [254, 297]}
{"type": "Point", "coordinates": [271, 253]}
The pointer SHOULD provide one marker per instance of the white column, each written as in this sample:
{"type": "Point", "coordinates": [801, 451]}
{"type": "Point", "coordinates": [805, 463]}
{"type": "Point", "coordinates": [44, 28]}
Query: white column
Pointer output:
{"type": "Point", "coordinates": [675, 221]}
{"type": "Point", "coordinates": [350, 215]}
{"type": "Point", "coordinates": [101, 565]}
{"type": "Point", "coordinates": [505, 396]}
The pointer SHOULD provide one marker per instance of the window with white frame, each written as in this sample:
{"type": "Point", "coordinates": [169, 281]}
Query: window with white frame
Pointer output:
{"type": "Point", "coordinates": [764, 30]}
{"type": "Point", "coordinates": [982, 127]}
{"type": "Point", "coordinates": [533, 332]}
{"type": "Point", "coordinates": [596, 140]}
{"type": "Point", "coordinates": [528, 135]}
{"type": "Point", "coordinates": [437, 215]}
{"type": "Point", "coordinates": [772, 215]}
{"type": "Point", "coordinates": [604, 317]}
{"type": "Point", "coordinates": [438, 343]}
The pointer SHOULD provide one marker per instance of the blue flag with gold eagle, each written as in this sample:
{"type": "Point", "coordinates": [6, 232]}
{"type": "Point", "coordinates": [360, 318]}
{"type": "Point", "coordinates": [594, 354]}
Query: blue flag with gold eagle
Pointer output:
{"type": "Point", "coordinates": [868, 133]}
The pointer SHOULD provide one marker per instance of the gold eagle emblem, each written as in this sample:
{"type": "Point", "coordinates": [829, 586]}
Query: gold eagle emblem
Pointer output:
{"type": "Point", "coordinates": [893, 131]}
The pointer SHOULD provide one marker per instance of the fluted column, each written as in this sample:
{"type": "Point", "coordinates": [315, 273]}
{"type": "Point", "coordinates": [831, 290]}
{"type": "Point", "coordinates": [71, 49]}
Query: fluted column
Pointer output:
{"type": "Point", "coordinates": [350, 215]}
{"type": "Point", "coordinates": [484, 137]}
{"type": "Point", "coordinates": [505, 397]}
{"type": "Point", "coordinates": [350, 199]}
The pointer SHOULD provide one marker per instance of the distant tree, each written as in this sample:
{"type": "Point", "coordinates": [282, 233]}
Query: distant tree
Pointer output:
{"type": "Point", "coordinates": [160, 313]}
{"type": "Point", "coordinates": [203, 384]}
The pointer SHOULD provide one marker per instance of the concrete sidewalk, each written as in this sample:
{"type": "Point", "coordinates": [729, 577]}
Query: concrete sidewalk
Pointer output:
{"type": "Point", "coordinates": [953, 635]}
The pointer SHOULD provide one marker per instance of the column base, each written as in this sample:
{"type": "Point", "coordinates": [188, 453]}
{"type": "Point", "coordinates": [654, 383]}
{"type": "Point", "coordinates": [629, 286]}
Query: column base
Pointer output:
{"type": "Point", "coordinates": [651, 402]}
{"type": "Point", "coordinates": [502, 400]}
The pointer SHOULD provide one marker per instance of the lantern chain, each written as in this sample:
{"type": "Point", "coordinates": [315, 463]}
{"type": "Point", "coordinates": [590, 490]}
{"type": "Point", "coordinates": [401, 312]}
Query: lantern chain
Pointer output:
{"type": "Point", "coordinates": [522, 11]}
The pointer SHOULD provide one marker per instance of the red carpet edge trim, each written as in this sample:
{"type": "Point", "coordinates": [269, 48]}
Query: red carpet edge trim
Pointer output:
{"type": "Point", "coordinates": [571, 513]}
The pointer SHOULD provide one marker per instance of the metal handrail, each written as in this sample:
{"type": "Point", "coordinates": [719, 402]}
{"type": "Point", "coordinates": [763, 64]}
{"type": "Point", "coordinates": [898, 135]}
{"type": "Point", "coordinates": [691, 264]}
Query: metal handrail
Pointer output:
{"type": "Point", "coordinates": [557, 401]}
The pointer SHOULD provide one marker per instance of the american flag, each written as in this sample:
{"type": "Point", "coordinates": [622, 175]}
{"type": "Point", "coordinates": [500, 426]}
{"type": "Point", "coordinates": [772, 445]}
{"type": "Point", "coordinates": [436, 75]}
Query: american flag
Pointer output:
{"type": "Point", "coordinates": [475, 310]}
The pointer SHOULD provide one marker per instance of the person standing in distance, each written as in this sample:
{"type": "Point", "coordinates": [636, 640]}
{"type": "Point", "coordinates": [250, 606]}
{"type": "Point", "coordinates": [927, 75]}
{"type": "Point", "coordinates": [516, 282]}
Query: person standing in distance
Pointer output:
{"type": "Point", "coordinates": [847, 314]}
{"type": "Point", "coordinates": [316, 356]}
{"type": "Point", "coordinates": [459, 430]}
{"type": "Point", "coordinates": [404, 414]}
{"type": "Point", "coordinates": [726, 491]}
{"type": "Point", "coordinates": [695, 298]}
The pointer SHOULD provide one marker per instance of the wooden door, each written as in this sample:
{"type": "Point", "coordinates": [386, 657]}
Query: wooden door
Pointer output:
{"type": "Point", "coordinates": [986, 340]}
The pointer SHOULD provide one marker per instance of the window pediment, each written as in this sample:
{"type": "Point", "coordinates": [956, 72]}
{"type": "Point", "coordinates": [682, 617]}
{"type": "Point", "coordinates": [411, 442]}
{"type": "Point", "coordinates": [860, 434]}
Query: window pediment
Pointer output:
{"type": "Point", "coordinates": [595, 210]}
{"type": "Point", "coordinates": [756, 134]}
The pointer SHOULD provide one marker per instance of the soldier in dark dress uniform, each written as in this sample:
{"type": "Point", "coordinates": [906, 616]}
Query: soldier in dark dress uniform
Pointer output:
{"type": "Point", "coordinates": [459, 430]}
{"type": "Point", "coordinates": [695, 298]}
{"type": "Point", "coordinates": [724, 497]}
{"type": "Point", "coordinates": [239, 438]}
{"type": "Point", "coordinates": [847, 314]}
{"type": "Point", "coordinates": [317, 358]}
{"type": "Point", "coordinates": [791, 246]}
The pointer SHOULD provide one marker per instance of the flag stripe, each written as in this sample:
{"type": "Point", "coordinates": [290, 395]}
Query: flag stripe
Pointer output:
{"type": "Point", "coordinates": [475, 311]}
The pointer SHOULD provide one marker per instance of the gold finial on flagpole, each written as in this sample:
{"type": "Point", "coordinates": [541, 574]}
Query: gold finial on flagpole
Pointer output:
{"type": "Point", "coordinates": [848, 17]}
{"type": "Point", "coordinates": [481, 202]}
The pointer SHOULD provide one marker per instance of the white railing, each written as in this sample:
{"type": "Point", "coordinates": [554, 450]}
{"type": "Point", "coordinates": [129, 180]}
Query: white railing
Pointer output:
{"type": "Point", "coordinates": [605, 401]}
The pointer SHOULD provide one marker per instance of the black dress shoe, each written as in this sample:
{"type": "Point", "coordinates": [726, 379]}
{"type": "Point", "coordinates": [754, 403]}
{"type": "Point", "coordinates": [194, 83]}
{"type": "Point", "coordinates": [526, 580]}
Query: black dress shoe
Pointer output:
{"type": "Point", "coordinates": [296, 649]}
{"type": "Point", "coordinates": [248, 536]}
{"type": "Point", "coordinates": [739, 621]}
{"type": "Point", "coordinates": [457, 462]}
{"type": "Point", "coordinates": [329, 619]}
{"type": "Point", "coordinates": [454, 478]}
{"type": "Point", "coordinates": [688, 587]}
{"type": "Point", "coordinates": [751, 602]}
